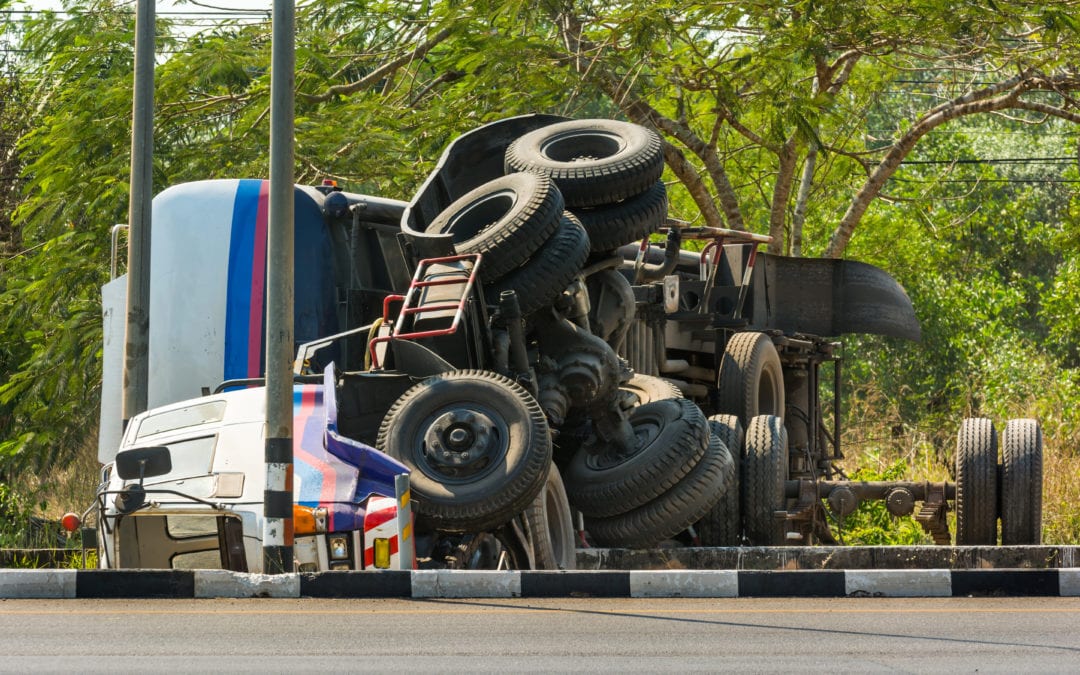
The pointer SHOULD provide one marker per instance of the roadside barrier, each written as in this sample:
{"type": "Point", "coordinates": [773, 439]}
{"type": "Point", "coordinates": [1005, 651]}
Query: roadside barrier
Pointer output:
{"type": "Point", "coordinates": [44, 583]}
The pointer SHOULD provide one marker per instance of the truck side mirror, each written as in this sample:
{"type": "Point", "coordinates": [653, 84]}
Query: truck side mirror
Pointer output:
{"type": "Point", "coordinates": [143, 463]}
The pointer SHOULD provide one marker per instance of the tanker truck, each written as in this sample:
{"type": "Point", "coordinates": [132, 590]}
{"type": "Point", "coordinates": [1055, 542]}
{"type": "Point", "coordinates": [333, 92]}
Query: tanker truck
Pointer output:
{"type": "Point", "coordinates": [527, 341]}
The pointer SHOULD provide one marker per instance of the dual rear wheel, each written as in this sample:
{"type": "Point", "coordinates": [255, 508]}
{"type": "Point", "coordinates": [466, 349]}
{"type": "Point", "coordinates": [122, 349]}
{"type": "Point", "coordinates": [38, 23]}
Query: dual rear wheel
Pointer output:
{"type": "Point", "coordinates": [980, 501]}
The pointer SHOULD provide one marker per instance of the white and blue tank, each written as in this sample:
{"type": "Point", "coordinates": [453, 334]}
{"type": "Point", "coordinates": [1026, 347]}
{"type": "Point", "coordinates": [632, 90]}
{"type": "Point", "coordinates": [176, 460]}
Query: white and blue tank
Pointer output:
{"type": "Point", "coordinates": [208, 292]}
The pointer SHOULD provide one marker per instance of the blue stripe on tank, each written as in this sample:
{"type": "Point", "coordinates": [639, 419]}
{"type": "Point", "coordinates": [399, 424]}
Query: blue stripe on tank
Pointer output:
{"type": "Point", "coordinates": [238, 292]}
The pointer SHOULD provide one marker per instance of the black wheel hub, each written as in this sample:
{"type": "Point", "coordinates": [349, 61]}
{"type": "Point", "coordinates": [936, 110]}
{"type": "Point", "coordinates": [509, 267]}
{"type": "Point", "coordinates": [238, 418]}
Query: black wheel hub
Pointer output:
{"type": "Point", "coordinates": [646, 430]}
{"type": "Point", "coordinates": [462, 442]}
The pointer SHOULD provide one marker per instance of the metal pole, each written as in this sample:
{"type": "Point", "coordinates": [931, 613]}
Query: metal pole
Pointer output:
{"type": "Point", "coordinates": [278, 497]}
{"type": "Point", "coordinates": [137, 330]}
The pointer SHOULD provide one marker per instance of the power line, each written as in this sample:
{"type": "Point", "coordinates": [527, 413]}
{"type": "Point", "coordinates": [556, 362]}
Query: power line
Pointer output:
{"type": "Point", "coordinates": [208, 13]}
{"type": "Point", "coordinates": [988, 180]}
{"type": "Point", "coordinates": [997, 160]}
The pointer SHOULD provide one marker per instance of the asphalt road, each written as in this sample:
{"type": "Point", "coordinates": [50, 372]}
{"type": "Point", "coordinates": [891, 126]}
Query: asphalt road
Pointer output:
{"type": "Point", "coordinates": [581, 635]}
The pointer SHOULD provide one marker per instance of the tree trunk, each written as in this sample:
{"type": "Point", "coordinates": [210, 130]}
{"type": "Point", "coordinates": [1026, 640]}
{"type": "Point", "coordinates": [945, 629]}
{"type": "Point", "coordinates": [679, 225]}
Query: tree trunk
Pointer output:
{"type": "Point", "coordinates": [801, 201]}
{"type": "Point", "coordinates": [781, 195]}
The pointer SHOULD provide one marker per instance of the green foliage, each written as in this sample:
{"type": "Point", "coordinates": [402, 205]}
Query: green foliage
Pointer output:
{"type": "Point", "coordinates": [19, 528]}
{"type": "Point", "coordinates": [987, 252]}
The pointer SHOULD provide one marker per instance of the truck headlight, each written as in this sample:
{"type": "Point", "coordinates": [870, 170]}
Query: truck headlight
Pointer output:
{"type": "Point", "coordinates": [339, 548]}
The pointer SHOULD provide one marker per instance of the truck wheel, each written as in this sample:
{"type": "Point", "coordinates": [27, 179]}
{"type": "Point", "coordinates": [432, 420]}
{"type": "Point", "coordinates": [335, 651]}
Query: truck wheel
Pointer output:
{"type": "Point", "coordinates": [592, 161]}
{"type": "Point", "coordinates": [671, 437]}
{"type": "Point", "coordinates": [476, 443]}
{"type": "Point", "coordinates": [506, 220]}
{"type": "Point", "coordinates": [551, 527]}
{"type": "Point", "coordinates": [751, 381]}
{"type": "Point", "coordinates": [673, 511]}
{"type": "Point", "coordinates": [765, 465]}
{"type": "Point", "coordinates": [539, 281]}
{"type": "Point", "coordinates": [976, 483]}
{"type": "Point", "coordinates": [630, 220]}
{"type": "Point", "coordinates": [1021, 483]}
{"type": "Point", "coordinates": [722, 525]}
{"type": "Point", "coordinates": [641, 389]}
{"type": "Point", "coordinates": [483, 551]}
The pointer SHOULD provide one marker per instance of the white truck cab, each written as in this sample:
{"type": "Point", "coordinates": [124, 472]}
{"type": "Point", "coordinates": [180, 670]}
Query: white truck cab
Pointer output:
{"type": "Point", "coordinates": [186, 490]}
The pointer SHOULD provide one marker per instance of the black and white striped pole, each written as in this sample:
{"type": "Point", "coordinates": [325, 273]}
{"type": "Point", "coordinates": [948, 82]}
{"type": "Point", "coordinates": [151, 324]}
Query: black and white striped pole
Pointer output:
{"type": "Point", "coordinates": [278, 496]}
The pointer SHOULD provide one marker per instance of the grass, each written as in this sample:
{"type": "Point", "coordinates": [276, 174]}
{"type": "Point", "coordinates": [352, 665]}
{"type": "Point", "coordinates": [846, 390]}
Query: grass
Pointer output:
{"type": "Point", "coordinates": [880, 441]}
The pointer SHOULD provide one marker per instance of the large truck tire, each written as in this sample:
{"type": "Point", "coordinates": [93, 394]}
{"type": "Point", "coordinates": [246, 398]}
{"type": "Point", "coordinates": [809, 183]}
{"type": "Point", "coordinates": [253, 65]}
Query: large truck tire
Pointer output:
{"type": "Point", "coordinates": [1021, 483]}
{"type": "Point", "coordinates": [671, 436]}
{"type": "Point", "coordinates": [722, 524]}
{"type": "Point", "coordinates": [976, 483]}
{"type": "Point", "coordinates": [506, 220]}
{"type": "Point", "coordinates": [551, 526]}
{"type": "Point", "coordinates": [751, 380]}
{"type": "Point", "coordinates": [765, 466]}
{"type": "Point", "coordinates": [641, 389]}
{"type": "Point", "coordinates": [477, 445]}
{"type": "Point", "coordinates": [547, 274]}
{"type": "Point", "coordinates": [593, 162]}
{"type": "Point", "coordinates": [673, 511]}
{"type": "Point", "coordinates": [613, 225]}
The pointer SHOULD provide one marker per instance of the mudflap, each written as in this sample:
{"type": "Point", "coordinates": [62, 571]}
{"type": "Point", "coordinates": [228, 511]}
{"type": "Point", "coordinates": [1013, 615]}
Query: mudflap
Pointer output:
{"type": "Point", "coordinates": [820, 296]}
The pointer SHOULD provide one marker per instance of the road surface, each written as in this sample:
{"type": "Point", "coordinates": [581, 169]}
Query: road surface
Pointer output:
{"type": "Point", "coordinates": [579, 635]}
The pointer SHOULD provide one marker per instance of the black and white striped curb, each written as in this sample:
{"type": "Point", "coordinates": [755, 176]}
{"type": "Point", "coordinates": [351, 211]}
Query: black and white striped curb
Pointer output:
{"type": "Point", "coordinates": [42, 583]}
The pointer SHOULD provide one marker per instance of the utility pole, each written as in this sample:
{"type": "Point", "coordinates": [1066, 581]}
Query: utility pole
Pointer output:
{"type": "Point", "coordinates": [278, 496]}
{"type": "Point", "coordinates": [137, 328]}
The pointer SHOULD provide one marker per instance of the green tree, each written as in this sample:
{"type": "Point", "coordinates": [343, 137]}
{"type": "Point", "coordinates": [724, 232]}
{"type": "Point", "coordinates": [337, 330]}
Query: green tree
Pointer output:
{"type": "Point", "coordinates": [804, 120]}
{"type": "Point", "coordinates": [746, 93]}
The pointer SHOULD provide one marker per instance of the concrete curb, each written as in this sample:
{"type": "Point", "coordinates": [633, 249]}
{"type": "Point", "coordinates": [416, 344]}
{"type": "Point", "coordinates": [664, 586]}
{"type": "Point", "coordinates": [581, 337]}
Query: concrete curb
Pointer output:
{"type": "Point", "coordinates": [226, 584]}
{"type": "Point", "coordinates": [56, 584]}
{"type": "Point", "coordinates": [37, 583]}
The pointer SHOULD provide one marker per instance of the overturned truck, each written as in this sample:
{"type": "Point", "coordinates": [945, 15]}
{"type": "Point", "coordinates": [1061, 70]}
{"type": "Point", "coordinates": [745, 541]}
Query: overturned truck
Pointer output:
{"type": "Point", "coordinates": [741, 335]}
{"type": "Point", "coordinates": [545, 376]}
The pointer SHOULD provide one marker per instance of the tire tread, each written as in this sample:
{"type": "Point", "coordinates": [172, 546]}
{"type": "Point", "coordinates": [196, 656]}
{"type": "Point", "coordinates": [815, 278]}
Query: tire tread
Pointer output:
{"type": "Point", "coordinates": [654, 470]}
{"type": "Point", "coordinates": [673, 511]}
{"type": "Point", "coordinates": [976, 483]}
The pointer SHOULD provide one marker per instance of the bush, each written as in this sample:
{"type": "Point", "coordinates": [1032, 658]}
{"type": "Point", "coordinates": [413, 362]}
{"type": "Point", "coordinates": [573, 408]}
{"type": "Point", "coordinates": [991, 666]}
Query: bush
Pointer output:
{"type": "Point", "coordinates": [20, 528]}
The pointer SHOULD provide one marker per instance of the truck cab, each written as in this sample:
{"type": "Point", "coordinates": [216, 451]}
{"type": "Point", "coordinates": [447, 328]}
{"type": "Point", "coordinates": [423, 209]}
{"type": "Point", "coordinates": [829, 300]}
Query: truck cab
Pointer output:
{"type": "Point", "coordinates": [186, 489]}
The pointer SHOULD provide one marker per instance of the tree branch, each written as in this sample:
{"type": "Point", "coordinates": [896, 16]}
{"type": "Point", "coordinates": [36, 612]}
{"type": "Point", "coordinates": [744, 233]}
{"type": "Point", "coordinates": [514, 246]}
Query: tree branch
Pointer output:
{"type": "Point", "coordinates": [1049, 110]}
{"type": "Point", "coordinates": [620, 91]}
{"type": "Point", "coordinates": [968, 104]}
{"type": "Point", "coordinates": [379, 73]}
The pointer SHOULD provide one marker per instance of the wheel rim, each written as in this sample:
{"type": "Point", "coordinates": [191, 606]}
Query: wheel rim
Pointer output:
{"type": "Point", "coordinates": [767, 399]}
{"type": "Point", "coordinates": [646, 429]}
{"type": "Point", "coordinates": [480, 215]}
{"type": "Point", "coordinates": [461, 444]}
{"type": "Point", "coordinates": [576, 146]}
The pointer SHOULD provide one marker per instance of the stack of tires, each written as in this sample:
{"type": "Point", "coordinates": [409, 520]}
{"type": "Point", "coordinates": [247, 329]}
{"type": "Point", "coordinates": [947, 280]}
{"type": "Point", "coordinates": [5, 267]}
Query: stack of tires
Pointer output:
{"type": "Point", "coordinates": [608, 172]}
{"type": "Point", "coordinates": [478, 444]}
{"type": "Point", "coordinates": [529, 243]}
{"type": "Point", "coordinates": [570, 188]}
{"type": "Point", "coordinates": [677, 471]}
